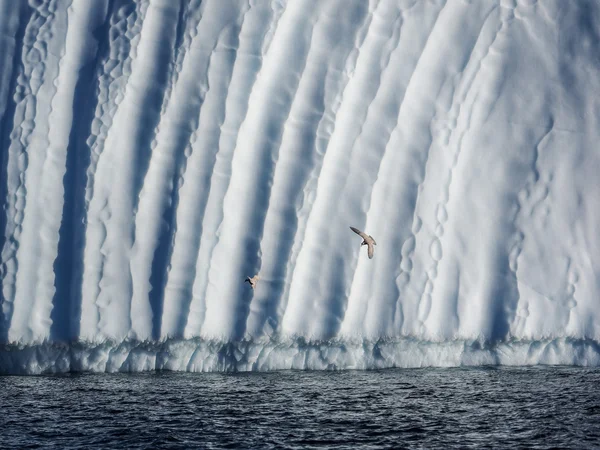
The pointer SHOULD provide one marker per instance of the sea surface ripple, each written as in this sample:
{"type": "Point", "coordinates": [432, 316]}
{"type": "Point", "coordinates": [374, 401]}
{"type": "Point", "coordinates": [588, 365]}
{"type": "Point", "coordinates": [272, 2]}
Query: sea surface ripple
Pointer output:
{"type": "Point", "coordinates": [535, 407]}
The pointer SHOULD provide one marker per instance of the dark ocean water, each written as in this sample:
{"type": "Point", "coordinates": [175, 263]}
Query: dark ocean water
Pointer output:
{"type": "Point", "coordinates": [498, 407]}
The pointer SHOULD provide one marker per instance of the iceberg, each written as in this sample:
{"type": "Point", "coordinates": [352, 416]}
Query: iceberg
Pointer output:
{"type": "Point", "coordinates": [154, 154]}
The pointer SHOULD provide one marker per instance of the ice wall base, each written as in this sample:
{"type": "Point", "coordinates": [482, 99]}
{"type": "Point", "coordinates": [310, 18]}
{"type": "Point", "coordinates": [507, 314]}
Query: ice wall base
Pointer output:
{"type": "Point", "coordinates": [197, 355]}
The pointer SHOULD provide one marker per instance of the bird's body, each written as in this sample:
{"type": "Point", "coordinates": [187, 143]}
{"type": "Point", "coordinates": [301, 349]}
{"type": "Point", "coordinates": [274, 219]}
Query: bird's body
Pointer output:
{"type": "Point", "coordinates": [253, 281]}
{"type": "Point", "coordinates": [367, 240]}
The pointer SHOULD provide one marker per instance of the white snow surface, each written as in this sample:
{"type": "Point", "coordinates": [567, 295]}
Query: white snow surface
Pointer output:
{"type": "Point", "coordinates": [154, 153]}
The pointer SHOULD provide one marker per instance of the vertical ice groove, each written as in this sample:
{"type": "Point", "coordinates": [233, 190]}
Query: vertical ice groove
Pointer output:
{"type": "Point", "coordinates": [113, 75]}
{"type": "Point", "coordinates": [572, 208]}
{"type": "Point", "coordinates": [325, 63]}
{"type": "Point", "coordinates": [31, 315]}
{"type": "Point", "coordinates": [583, 276]}
{"type": "Point", "coordinates": [203, 193]}
{"type": "Point", "coordinates": [405, 178]}
{"type": "Point", "coordinates": [149, 254]}
{"type": "Point", "coordinates": [557, 284]}
{"type": "Point", "coordinates": [237, 250]}
{"type": "Point", "coordinates": [525, 204]}
{"type": "Point", "coordinates": [477, 91]}
{"type": "Point", "coordinates": [68, 264]}
{"type": "Point", "coordinates": [128, 144]}
{"type": "Point", "coordinates": [514, 312]}
{"type": "Point", "coordinates": [73, 48]}
{"type": "Point", "coordinates": [215, 59]}
{"type": "Point", "coordinates": [320, 278]}
{"type": "Point", "coordinates": [332, 101]}
{"type": "Point", "coordinates": [374, 292]}
{"type": "Point", "coordinates": [443, 285]}
{"type": "Point", "coordinates": [12, 29]}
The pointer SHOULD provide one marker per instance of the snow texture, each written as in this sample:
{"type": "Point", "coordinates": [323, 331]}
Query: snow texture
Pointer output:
{"type": "Point", "coordinates": [155, 153]}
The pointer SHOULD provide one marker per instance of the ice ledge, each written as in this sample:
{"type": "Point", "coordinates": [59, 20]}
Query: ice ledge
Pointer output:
{"type": "Point", "coordinates": [198, 355]}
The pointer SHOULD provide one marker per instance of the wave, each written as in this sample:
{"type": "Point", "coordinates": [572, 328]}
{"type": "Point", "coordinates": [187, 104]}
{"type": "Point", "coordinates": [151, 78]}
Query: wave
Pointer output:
{"type": "Point", "coordinates": [261, 355]}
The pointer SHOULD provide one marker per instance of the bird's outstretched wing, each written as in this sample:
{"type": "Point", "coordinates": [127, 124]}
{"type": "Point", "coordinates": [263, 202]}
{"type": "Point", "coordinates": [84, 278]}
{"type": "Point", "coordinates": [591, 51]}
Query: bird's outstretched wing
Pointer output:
{"type": "Point", "coordinates": [360, 233]}
{"type": "Point", "coordinates": [370, 250]}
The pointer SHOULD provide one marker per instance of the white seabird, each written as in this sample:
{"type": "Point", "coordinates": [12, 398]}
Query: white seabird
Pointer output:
{"type": "Point", "coordinates": [367, 240]}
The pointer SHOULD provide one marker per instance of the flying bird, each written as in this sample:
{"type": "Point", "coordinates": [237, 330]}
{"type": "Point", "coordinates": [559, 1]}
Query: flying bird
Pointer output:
{"type": "Point", "coordinates": [367, 240]}
{"type": "Point", "coordinates": [252, 281]}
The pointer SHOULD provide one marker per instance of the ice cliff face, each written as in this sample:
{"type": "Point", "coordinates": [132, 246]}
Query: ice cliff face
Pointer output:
{"type": "Point", "coordinates": [154, 153]}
